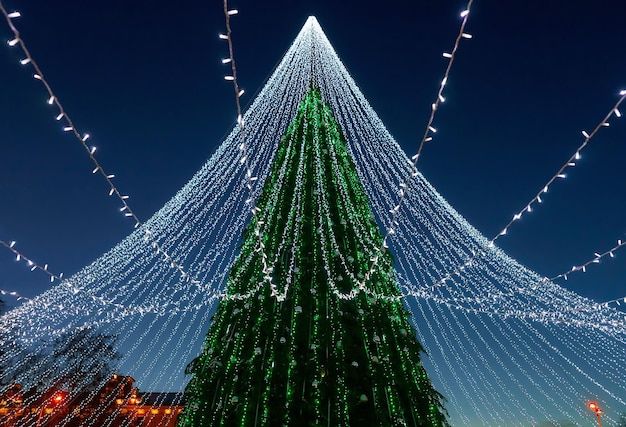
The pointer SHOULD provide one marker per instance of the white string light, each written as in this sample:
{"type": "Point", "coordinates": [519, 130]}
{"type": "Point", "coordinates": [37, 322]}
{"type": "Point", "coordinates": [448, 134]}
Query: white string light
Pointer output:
{"type": "Point", "coordinates": [33, 265]}
{"type": "Point", "coordinates": [430, 129]}
{"type": "Point", "coordinates": [616, 302]}
{"type": "Point", "coordinates": [499, 339]}
{"type": "Point", "coordinates": [598, 256]}
{"type": "Point", "coordinates": [571, 162]}
{"type": "Point", "coordinates": [69, 127]}
{"type": "Point", "coordinates": [243, 146]}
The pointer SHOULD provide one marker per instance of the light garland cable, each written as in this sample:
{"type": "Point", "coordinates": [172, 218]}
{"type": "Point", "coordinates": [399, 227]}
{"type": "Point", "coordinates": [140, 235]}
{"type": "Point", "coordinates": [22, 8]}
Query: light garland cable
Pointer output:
{"type": "Point", "coordinates": [617, 301]}
{"type": "Point", "coordinates": [243, 147]}
{"type": "Point", "coordinates": [598, 256]}
{"type": "Point", "coordinates": [161, 316]}
{"type": "Point", "coordinates": [82, 138]}
{"type": "Point", "coordinates": [571, 162]}
{"type": "Point", "coordinates": [425, 138]}
{"type": "Point", "coordinates": [33, 265]}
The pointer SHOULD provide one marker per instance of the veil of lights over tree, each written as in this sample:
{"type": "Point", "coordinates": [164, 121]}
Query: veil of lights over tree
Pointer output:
{"type": "Point", "coordinates": [299, 318]}
{"type": "Point", "coordinates": [312, 358]}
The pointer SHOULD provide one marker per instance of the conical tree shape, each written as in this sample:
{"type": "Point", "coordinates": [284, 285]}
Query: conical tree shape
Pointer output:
{"type": "Point", "coordinates": [314, 357]}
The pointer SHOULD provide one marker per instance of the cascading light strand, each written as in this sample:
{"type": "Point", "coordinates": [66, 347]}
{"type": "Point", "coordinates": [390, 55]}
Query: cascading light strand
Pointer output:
{"type": "Point", "coordinates": [228, 13]}
{"type": "Point", "coordinates": [595, 260]}
{"type": "Point", "coordinates": [69, 127]}
{"type": "Point", "coordinates": [427, 136]}
{"type": "Point", "coordinates": [617, 302]}
{"type": "Point", "coordinates": [19, 256]}
{"type": "Point", "coordinates": [537, 199]}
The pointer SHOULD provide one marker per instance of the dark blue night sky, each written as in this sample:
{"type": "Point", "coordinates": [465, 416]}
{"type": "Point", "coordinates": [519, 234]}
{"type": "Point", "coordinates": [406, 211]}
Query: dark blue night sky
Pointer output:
{"type": "Point", "coordinates": [145, 80]}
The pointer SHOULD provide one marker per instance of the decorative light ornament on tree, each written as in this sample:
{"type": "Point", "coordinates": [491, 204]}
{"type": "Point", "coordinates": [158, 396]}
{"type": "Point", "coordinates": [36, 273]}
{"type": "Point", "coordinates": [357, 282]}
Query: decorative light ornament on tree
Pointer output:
{"type": "Point", "coordinates": [311, 357]}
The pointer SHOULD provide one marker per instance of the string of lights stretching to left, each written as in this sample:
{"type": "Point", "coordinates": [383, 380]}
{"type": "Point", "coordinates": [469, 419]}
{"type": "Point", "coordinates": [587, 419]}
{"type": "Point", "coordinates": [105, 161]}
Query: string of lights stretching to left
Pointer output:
{"type": "Point", "coordinates": [19, 256]}
{"type": "Point", "coordinates": [82, 138]}
{"type": "Point", "coordinates": [571, 162]}
{"type": "Point", "coordinates": [243, 147]}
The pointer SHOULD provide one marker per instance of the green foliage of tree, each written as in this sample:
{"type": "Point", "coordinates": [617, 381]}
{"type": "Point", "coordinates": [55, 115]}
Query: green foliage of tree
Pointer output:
{"type": "Point", "coordinates": [314, 359]}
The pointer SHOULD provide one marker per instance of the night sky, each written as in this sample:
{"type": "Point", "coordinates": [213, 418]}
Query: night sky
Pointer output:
{"type": "Point", "coordinates": [145, 80]}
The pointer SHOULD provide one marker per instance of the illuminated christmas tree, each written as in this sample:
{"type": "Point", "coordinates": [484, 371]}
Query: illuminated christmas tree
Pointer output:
{"type": "Point", "coordinates": [310, 341]}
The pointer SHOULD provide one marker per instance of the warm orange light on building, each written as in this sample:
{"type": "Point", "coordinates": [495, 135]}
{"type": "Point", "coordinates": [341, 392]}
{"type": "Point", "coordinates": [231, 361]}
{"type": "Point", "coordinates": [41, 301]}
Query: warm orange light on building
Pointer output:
{"type": "Point", "coordinates": [154, 411]}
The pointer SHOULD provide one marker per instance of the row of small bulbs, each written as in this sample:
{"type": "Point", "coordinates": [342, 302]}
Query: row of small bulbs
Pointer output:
{"type": "Point", "coordinates": [69, 127]}
{"type": "Point", "coordinates": [228, 13]}
{"type": "Point", "coordinates": [427, 137]}
{"type": "Point", "coordinates": [537, 199]}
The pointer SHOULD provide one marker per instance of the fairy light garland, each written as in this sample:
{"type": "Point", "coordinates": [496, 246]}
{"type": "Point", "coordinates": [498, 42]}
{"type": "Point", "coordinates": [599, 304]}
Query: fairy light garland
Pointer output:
{"type": "Point", "coordinates": [598, 256]}
{"type": "Point", "coordinates": [468, 326]}
{"type": "Point", "coordinates": [430, 130]}
{"type": "Point", "coordinates": [560, 174]}
{"type": "Point", "coordinates": [243, 147]}
{"type": "Point", "coordinates": [33, 265]}
{"type": "Point", "coordinates": [70, 127]}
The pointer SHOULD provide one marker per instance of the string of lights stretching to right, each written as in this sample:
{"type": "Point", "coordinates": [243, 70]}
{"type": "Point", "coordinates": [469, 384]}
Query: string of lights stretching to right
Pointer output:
{"type": "Point", "coordinates": [598, 256]}
{"type": "Point", "coordinates": [617, 301]}
{"type": "Point", "coordinates": [82, 138]}
{"type": "Point", "coordinates": [427, 137]}
{"type": "Point", "coordinates": [571, 162]}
